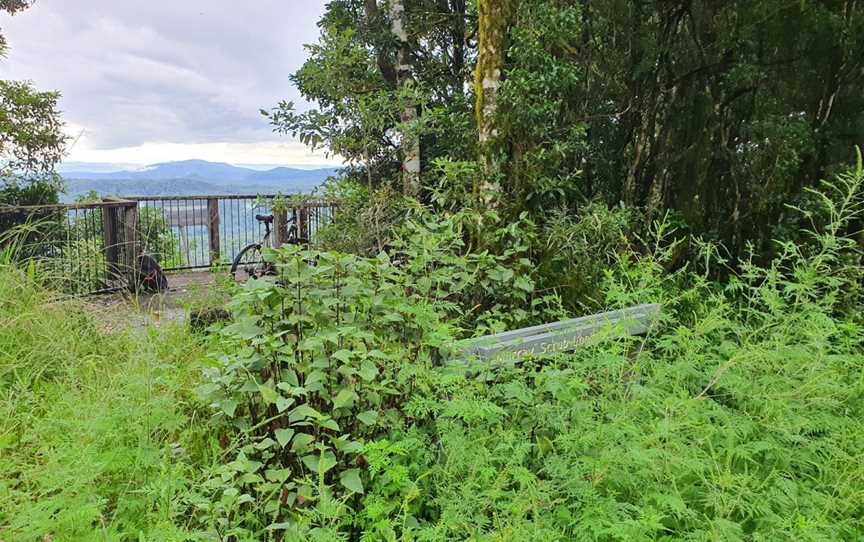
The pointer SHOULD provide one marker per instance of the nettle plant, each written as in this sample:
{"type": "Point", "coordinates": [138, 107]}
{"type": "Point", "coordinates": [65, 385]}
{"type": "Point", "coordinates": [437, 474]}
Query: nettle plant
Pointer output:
{"type": "Point", "coordinates": [319, 361]}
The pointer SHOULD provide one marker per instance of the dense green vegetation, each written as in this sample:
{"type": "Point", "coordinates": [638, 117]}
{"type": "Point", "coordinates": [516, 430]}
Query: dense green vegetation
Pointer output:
{"type": "Point", "coordinates": [94, 427]}
{"type": "Point", "coordinates": [511, 162]}
{"type": "Point", "coordinates": [738, 419]}
{"type": "Point", "coordinates": [721, 112]}
{"type": "Point", "coordinates": [323, 410]}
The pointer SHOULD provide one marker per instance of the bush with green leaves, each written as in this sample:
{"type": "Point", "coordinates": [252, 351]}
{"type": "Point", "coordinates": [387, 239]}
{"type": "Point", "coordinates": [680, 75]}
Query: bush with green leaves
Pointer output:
{"type": "Point", "coordinates": [321, 358]}
{"type": "Point", "coordinates": [737, 418]}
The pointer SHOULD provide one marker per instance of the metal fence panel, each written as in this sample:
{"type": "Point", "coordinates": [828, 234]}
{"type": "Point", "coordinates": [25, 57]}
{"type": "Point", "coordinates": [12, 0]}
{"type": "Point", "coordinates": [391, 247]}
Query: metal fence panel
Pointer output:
{"type": "Point", "coordinates": [177, 229]}
{"type": "Point", "coordinates": [68, 244]}
{"type": "Point", "coordinates": [93, 247]}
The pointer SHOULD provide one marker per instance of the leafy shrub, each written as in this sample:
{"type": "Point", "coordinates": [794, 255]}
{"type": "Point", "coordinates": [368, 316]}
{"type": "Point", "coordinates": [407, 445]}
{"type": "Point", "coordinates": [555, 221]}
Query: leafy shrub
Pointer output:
{"type": "Point", "coordinates": [574, 251]}
{"type": "Point", "coordinates": [738, 418]}
{"type": "Point", "coordinates": [365, 221]}
{"type": "Point", "coordinates": [319, 361]}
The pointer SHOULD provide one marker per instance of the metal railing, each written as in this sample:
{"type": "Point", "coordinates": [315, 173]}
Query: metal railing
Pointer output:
{"type": "Point", "coordinates": [212, 230]}
{"type": "Point", "coordinates": [78, 248]}
{"type": "Point", "coordinates": [93, 247]}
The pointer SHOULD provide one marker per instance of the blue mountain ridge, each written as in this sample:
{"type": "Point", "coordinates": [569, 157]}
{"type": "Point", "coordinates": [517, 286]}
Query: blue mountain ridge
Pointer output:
{"type": "Point", "coordinates": [193, 177]}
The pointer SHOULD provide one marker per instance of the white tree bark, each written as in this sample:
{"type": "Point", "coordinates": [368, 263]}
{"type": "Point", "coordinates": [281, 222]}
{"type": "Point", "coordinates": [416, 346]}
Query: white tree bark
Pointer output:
{"type": "Point", "coordinates": [405, 77]}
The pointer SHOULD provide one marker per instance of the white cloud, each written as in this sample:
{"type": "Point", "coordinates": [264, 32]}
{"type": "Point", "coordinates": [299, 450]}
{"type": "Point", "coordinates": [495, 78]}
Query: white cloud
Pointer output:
{"type": "Point", "coordinates": [167, 76]}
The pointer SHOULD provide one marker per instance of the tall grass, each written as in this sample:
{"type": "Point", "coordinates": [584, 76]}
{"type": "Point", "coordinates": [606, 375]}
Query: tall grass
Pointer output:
{"type": "Point", "coordinates": [97, 436]}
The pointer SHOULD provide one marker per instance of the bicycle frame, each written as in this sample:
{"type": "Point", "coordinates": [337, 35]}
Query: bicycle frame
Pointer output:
{"type": "Point", "coordinates": [293, 232]}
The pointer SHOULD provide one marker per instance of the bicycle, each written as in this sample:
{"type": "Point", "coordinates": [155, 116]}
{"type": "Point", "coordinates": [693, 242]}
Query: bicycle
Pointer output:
{"type": "Point", "coordinates": [250, 264]}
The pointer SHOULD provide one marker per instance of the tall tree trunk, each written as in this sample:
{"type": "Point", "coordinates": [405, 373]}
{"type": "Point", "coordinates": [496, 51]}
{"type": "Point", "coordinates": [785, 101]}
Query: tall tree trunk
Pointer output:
{"type": "Point", "coordinates": [495, 18]}
{"type": "Point", "coordinates": [405, 77]}
{"type": "Point", "coordinates": [458, 37]}
{"type": "Point", "coordinates": [372, 14]}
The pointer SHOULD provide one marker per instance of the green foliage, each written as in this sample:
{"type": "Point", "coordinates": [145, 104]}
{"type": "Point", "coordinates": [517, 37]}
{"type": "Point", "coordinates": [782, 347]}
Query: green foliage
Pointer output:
{"type": "Point", "coordinates": [721, 113]}
{"type": "Point", "coordinates": [98, 440]}
{"type": "Point", "coordinates": [351, 75]}
{"type": "Point", "coordinates": [738, 418]}
{"type": "Point", "coordinates": [318, 363]}
{"type": "Point", "coordinates": [366, 220]}
{"type": "Point", "coordinates": [31, 137]}
{"type": "Point", "coordinates": [574, 252]}
{"type": "Point", "coordinates": [540, 108]}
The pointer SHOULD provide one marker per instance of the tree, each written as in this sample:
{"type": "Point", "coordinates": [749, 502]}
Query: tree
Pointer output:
{"type": "Point", "coordinates": [405, 79]}
{"type": "Point", "coordinates": [31, 136]}
{"type": "Point", "coordinates": [720, 113]}
{"type": "Point", "coordinates": [387, 80]}
{"type": "Point", "coordinates": [495, 18]}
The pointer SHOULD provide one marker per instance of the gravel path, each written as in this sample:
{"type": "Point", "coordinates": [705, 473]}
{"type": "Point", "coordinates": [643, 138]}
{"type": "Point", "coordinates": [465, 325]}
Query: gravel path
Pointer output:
{"type": "Point", "coordinates": [185, 290]}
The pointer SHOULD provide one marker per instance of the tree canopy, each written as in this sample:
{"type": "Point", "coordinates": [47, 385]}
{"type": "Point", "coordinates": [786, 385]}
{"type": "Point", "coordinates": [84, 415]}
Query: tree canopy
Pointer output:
{"type": "Point", "coordinates": [721, 113]}
{"type": "Point", "coordinates": [32, 142]}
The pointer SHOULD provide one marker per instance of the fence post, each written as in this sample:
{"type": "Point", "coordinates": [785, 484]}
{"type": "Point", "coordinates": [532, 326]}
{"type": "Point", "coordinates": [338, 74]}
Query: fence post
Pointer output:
{"type": "Point", "coordinates": [280, 221]}
{"type": "Point", "coordinates": [130, 223]}
{"type": "Point", "coordinates": [213, 229]}
{"type": "Point", "coordinates": [110, 240]}
{"type": "Point", "coordinates": [303, 223]}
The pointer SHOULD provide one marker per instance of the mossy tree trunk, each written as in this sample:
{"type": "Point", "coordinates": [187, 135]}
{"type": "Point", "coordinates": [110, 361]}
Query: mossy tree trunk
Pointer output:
{"type": "Point", "coordinates": [495, 19]}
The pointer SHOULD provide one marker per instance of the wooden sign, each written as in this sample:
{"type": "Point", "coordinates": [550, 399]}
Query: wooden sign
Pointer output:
{"type": "Point", "coordinates": [512, 346]}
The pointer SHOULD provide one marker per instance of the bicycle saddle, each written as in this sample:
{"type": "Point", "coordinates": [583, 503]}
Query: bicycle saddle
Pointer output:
{"type": "Point", "coordinates": [267, 219]}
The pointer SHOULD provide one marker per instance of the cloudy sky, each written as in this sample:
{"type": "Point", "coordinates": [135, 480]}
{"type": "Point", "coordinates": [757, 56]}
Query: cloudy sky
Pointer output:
{"type": "Point", "coordinates": [160, 80]}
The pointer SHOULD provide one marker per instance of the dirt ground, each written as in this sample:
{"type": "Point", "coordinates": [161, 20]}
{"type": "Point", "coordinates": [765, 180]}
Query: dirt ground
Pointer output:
{"type": "Point", "coordinates": [185, 290]}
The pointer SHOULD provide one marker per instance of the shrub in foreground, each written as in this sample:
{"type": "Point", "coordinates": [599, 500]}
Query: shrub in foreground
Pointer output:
{"type": "Point", "coordinates": [739, 418]}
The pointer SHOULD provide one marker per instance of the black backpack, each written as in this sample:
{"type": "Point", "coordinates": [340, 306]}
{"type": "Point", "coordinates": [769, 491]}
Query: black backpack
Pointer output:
{"type": "Point", "coordinates": [150, 277]}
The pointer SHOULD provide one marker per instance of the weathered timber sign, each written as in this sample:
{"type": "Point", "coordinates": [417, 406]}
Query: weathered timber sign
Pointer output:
{"type": "Point", "coordinates": [564, 336]}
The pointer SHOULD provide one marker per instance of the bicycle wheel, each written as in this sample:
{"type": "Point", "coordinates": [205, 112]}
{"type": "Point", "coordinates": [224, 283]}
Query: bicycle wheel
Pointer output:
{"type": "Point", "coordinates": [248, 264]}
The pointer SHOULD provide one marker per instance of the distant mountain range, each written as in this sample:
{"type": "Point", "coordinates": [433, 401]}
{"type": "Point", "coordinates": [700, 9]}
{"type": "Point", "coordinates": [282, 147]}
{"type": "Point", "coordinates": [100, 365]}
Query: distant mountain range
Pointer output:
{"type": "Point", "coordinates": [191, 177]}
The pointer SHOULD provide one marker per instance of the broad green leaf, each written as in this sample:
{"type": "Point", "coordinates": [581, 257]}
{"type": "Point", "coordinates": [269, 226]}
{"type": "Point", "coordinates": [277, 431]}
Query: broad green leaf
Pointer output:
{"type": "Point", "coordinates": [290, 377]}
{"type": "Point", "coordinates": [283, 436]}
{"type": "Point", "coordinates": [277, 475]}
{"type": "Point", "coordinates": [245, 328]}
{"type": "Point", "coordinates": [301, 442]}
{"type": "Point", "coordinates": [524, 283]}
{"type": "Point", "coordinates": [302, 412]}
{"type": "Point", "coordinates": [368, 371]}
{"type": "Point", "coordinates": [350, 479]}
{"type": "Point", "coordinates": [268, 394]}
{"type": "Point", "coordinates": [313, 378]}
{"type": "Point", "coordinates": [264, 444]}
{"type": "Point", "coordinates": [282, 403]}
{"type": "Point", "coordinates": [329, 423]}
{"type": "Point", "coordinates": [368, 417]}
{"type": "Point", "coordinates": [228, 406]}
{"type": "Point", "coordinates": [320, 462]}
{"type": "Point", "coordinates": [206, 390]}
{"type": "Point", "coordinates": [344, 399]}
{"type": "Point", "coordinates": [343, 355]}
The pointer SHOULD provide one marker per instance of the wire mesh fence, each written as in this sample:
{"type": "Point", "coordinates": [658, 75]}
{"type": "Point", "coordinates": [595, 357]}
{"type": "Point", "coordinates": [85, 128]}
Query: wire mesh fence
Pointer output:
{"type": "Point", "coordinates": [94, 247]}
